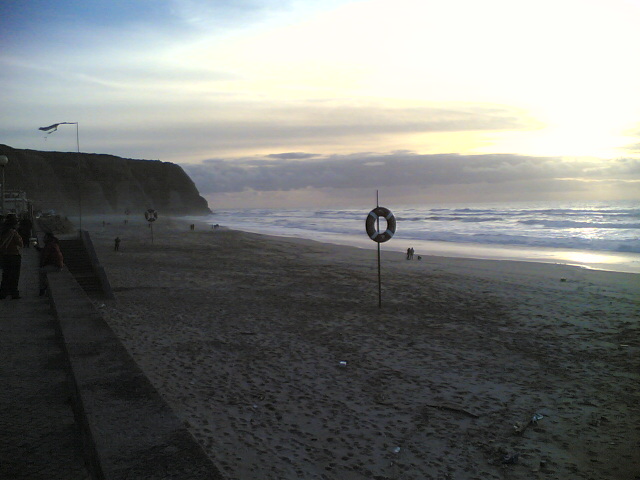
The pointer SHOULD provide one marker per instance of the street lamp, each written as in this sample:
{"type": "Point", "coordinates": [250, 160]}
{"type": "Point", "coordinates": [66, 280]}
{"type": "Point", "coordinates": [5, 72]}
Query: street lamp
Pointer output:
{"type": "Point", "coordinates": [3, 162]}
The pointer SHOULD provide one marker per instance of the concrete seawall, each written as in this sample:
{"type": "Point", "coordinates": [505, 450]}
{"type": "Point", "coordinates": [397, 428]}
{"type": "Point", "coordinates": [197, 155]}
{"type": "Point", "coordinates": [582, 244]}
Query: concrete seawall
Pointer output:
{"type": "Point", "coordinates": [128, 429]}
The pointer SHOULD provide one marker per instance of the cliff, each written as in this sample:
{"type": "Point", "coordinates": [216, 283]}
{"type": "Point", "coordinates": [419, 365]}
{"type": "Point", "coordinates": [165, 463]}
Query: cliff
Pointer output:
{"type": "Point", "coordinates": [103, 184]}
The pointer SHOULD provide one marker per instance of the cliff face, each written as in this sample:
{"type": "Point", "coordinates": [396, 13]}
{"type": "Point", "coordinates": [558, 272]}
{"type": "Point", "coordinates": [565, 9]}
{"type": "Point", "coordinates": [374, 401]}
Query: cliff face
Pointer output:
{"type": "Point", "coordinates": [103, 184]}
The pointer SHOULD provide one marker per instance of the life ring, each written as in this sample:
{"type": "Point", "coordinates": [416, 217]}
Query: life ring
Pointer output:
{"type": "Point", "coordinates": [371, 224]}
{"type": "Point", "coordinates": [151, 215]}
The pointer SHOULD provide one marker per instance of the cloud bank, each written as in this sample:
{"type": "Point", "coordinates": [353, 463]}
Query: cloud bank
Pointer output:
{"type": "Point", "coordinates": [404, 173]}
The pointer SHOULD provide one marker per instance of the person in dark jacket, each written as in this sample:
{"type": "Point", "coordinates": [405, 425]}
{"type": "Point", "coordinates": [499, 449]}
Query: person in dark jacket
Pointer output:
{"type": "Point", "coordinates": [11, 251]}
{"type": "Point", "coordinates": [51, 260]}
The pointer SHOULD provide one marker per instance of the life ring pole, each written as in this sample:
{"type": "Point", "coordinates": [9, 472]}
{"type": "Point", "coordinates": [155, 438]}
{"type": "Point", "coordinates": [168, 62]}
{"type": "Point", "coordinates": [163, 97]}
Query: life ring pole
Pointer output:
{"type": "Point", "coordinates": [379, 280]}
{"type": "Point", "coordinates": [379, 268]}
{"type": "Point", "coordinates": [372, 227]}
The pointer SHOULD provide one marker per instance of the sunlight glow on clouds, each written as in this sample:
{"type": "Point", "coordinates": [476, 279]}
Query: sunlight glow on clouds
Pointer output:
{"type": "Point", "coordinates": [557, 59]}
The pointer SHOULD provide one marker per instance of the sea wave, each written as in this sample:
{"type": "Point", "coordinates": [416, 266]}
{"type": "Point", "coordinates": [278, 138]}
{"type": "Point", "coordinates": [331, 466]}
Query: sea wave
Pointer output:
{"type": "Point", "coordinates": [604, 227]}
{"type": "Point", "coordinates": [464, 219]}
{"type": "Point", "coordinates": [574, 224]}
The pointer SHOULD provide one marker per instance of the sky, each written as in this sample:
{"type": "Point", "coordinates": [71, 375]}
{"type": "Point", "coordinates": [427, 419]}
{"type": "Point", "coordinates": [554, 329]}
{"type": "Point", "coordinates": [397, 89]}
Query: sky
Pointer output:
{"type": "Point", "coordinates": [303, 103]}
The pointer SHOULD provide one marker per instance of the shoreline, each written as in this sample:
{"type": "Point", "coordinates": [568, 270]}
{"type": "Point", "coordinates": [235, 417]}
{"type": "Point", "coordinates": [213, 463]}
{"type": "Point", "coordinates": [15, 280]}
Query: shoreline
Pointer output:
{"type": "Point", "coordinates": [598, 260]}
{"type": "Point", "coordinates": [588, 259]}
{"type": "Point", "coordinates": [622, 262]}
{"type": "Point", "coordinates": [276, 356]}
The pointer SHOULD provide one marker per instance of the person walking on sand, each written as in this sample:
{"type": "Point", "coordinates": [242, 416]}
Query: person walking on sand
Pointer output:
{"type": "Point", "coordinates": [116, 245]}
{"type": "Point", "coordinates": [408, 253]}
{"type": "Point", "coordinates": [51, 260]}
{"type": "Point", "coordinates": [11, 251]}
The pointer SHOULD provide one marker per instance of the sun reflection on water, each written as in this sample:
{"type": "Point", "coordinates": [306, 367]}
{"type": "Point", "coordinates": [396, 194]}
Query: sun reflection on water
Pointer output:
{"type": "Point", "coordinates": [587, 258]}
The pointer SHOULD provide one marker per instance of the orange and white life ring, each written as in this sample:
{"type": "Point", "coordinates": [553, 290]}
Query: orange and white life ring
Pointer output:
{"type": "Point", "coordinates": [371, 224]}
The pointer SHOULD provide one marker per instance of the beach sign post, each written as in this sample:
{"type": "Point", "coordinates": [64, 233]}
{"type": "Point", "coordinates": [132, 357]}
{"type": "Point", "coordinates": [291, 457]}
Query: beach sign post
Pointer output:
{"type": "Point", "coordinates": [372, 226]}
{"type": "Point", "coordinates": [151, 215]}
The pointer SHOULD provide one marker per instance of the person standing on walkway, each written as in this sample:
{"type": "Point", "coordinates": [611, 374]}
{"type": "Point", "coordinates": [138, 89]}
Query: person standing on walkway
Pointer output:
{"type": "Point", "coordinates": [116, 244]}
{"type": "Point", "coordinates": [11, 251]}
{"type": "Point", "coordinates": [51, 260]}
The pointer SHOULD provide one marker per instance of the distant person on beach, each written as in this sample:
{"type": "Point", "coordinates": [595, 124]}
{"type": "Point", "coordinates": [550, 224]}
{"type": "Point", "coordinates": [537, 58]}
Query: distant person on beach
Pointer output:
{"type": "Point", "coordinates": [411, 254]}
{"type": "Point", "coordinates": [11, 251]}
{"type": "Point", "coordinates": [51, 260]}
{"type": "Point", "coordinates": [116, 245]}
{"type": "Point", "coordinates": [408, 253]}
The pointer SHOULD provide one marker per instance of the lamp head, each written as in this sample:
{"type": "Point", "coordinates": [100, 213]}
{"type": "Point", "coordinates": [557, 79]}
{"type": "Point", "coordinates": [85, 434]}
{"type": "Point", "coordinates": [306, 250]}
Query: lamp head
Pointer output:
{"type": "Point", "coordinates": [3, 160]}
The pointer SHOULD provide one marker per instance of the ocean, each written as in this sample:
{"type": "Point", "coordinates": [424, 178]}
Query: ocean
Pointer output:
{"type": "Point", "coordinates": [593, 235]}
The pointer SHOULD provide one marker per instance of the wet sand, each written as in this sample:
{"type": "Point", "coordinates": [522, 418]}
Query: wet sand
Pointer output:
{"type": "Point", "coordinates": [277, 357]}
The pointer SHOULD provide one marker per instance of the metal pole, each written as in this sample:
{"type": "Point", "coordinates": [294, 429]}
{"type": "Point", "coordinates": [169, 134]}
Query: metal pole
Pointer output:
{"type": "Point", "coordinates": [379, 269]}
{"type": "Point", "coordinates": [80, 182]}
{"type": "Point", "coordinates": [379, 281]}
{"type": "Point", "coordinates": [3, 191]}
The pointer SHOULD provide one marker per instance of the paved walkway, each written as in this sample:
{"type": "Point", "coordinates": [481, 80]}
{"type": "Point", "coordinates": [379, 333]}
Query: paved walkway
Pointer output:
{"type": "Point", "coordinates": [39, 438]}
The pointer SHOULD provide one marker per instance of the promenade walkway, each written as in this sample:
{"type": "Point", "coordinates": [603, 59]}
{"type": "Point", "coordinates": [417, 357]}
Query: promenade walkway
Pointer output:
{"type": "Point", "coordinates": [39, 437]}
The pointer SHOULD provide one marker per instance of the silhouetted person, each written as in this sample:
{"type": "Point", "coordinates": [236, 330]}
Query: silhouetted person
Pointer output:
{"type": "Point", "coordinates": [116, 245]}
{"type": "Point", "coordinates": [51, 260]}
{"type": "Point", "coordinates": [11, 250]}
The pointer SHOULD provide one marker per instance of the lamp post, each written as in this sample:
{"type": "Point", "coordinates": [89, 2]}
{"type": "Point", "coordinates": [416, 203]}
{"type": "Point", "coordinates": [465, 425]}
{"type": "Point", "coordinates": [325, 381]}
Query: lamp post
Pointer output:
{"type": "Point", "coordinates": [3, 162]}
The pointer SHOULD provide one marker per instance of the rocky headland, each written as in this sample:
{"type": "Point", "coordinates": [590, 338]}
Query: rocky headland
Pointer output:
{"type": "Point", "coordinates": [101, 184]}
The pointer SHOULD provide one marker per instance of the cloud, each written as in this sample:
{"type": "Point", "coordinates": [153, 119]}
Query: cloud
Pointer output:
{"type": "Point", "coordinates": [183, 129]}
{"type": "Point", "coordinates": [207, 14]}
{"type": "Point", "coordinates": [635, 147]}
{"type": "Point", "coordinates": [235, 126]}
{"type": "Point", "coordinates": [292, 155]}
{"type": "Point", "coordinates": [403, 170]}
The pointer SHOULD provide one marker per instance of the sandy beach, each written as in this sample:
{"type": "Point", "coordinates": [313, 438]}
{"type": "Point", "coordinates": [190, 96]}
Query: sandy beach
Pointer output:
{"type": "Point", "coordinates": [275, 354]}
